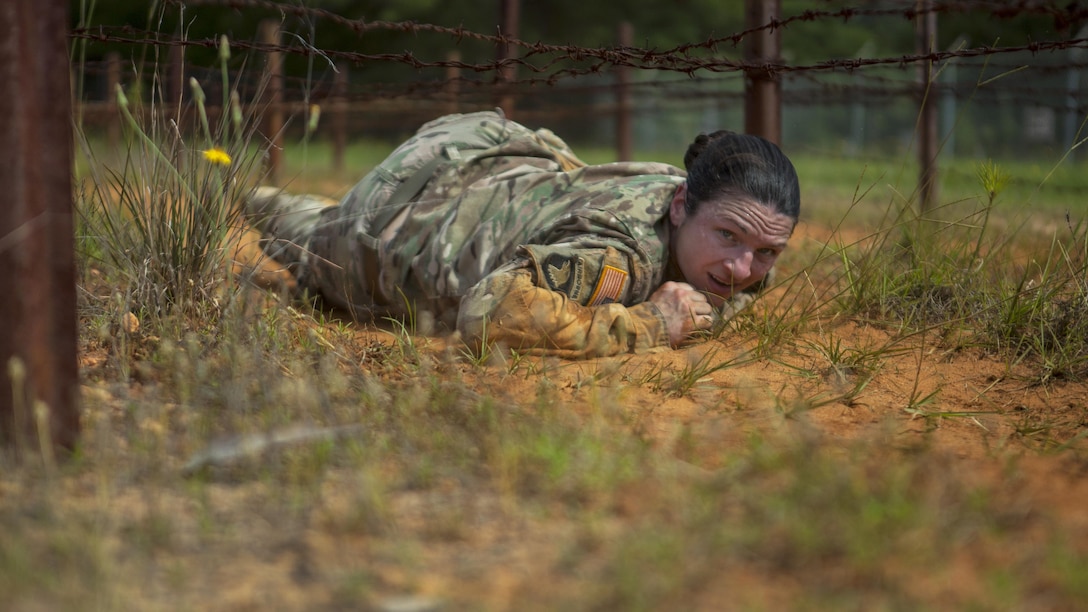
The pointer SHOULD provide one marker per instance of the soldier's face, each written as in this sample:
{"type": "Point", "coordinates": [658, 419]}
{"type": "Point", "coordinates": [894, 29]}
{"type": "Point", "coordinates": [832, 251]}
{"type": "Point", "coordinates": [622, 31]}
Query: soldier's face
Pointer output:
{"type": "Point", "coordinates": [727, 246]}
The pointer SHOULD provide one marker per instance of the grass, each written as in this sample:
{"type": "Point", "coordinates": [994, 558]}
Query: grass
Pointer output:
{"type": "Point", "coordinates": [163, 212]}
{"type": "Point", "coordinates": [444, 478]}
{"type": "Point", "coordinates": [1053, 185]}
{"type": "Point", "coordinates": [825, 449]}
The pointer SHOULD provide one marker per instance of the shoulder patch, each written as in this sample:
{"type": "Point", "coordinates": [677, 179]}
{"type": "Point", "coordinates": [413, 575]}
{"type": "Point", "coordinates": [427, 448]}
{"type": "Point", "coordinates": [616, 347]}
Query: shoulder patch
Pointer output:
{"type": "Point", "coordinates": [564, 274]}
{"type": "Point", "coordinates": [610, 286]}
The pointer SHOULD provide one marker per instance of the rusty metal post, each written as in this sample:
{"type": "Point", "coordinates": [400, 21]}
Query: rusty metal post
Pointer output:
{"type": "Point", "coordinates": [37, 261]}
{"type": "Point", "coordinates": [928, 142]}
{"type": "Point", "coordinates": [624, 140]}
{"type": "Point", "coordinates": [762, 88]}
{"type": "Point", "coordinates": [509, 18]}
{"type": "Point", "coordinates": [339, 120]}
{"type": "Point", "coordinates": [273, 111]}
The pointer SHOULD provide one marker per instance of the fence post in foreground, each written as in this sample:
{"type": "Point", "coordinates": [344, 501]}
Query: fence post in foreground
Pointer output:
{"type": "Point", "coordinates": [928, 143]}
{"type": "Point", "coordinates": [624, 145]}
{"type": "Point", "coordinates": [273, 109]}
{"type": "Point", "coordinates": [39, 396]}
{"type": "Point", "coordinates": [762, 88]}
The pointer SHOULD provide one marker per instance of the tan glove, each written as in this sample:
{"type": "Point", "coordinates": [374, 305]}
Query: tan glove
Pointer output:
{"type": "Point", "coordinates": [508, 309]}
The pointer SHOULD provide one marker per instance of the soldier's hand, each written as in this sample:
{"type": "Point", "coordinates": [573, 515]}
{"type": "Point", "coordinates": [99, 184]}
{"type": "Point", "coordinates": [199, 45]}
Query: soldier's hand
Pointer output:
{"type": "Point", "coordinates": [685, 309]}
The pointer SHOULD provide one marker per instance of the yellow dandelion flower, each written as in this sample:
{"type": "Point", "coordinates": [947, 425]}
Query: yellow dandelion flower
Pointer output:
{"type": "Point", "coordinates": [217, 156]}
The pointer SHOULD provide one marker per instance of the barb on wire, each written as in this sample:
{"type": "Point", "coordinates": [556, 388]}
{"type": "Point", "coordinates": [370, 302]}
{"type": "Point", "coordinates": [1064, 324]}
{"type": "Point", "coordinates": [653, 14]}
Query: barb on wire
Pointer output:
{"type": "Point", "coordinates": [702, 70]}
{"type": "Point", "coordinates": [1063, 15]}
{"type": "Point", "coordinates": [651, 61]}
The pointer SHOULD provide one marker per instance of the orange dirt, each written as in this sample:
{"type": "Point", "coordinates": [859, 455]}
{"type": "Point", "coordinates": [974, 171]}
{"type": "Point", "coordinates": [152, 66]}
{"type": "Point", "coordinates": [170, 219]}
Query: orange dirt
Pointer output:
{"type": "Point", "coordinates": [984, 417]}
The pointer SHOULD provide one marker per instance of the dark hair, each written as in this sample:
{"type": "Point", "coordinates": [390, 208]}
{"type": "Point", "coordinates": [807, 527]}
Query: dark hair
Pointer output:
{"type": "Point", "coordinates": [724, 164]}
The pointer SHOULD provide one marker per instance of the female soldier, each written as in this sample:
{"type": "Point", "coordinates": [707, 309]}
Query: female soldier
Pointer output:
{"type": "Point", "coordinates": [503, 232]}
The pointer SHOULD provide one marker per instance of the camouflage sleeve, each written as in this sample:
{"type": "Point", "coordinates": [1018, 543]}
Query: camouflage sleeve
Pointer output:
{"type": "Point", "coordinates": [507, 308]}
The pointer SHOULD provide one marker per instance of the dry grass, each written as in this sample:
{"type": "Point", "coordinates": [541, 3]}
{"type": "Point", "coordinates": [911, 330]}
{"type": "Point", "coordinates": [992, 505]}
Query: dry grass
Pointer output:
{"type": "Point", "coordinates": [898, 425]}
{"type": "Point", "coordinates": [849, 463]}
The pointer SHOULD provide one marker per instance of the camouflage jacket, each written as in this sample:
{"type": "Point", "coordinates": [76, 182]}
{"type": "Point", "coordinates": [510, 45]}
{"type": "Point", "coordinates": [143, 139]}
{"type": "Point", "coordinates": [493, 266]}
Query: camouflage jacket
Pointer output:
{"type": "Point", "coordinates": [510, 237]}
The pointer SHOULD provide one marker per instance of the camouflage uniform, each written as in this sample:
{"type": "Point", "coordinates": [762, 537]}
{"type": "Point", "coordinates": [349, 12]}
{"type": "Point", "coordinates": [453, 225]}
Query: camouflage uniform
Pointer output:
{"type": "Point", "coordinates": [511, 238]}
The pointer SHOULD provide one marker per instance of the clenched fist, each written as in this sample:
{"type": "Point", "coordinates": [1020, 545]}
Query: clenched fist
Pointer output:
{"type": "Point", "coordinates": [685, 309]}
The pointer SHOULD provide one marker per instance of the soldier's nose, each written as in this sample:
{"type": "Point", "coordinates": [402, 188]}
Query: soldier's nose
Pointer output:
{"type": "Point", "coordinates": [740, 264]}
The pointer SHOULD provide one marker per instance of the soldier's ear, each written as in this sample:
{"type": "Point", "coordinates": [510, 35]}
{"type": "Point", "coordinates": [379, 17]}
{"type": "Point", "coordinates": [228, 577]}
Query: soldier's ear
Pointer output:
{"type": "Point", "coordinates": [677, 213]}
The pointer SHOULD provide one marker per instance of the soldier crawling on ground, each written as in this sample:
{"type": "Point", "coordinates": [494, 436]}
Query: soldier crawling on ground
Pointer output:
{"type": "Point", "coordinates": [501, 231]}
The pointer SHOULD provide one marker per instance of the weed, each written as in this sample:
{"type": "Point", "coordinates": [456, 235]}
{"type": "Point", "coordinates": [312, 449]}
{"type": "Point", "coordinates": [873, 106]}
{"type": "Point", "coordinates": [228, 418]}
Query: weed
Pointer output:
{"type": "Point", "coordinates": [481, 351]}
{"type": "Point", "coordinates": [405, 340]}
{"type": "Point", "coordinates": [1045, 316]}
{"type": "Point", "coordinates": [662, 377]}
{"type": "Point", "coordinates": [165, 220]}
{"type": "Point", "coordinates": [697, 369]}
{"type": "Point", "coordinates": [846, 362]}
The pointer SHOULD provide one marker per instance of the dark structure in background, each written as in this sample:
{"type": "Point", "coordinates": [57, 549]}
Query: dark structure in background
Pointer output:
{"type": "Point", "coordinates": [37, 265]}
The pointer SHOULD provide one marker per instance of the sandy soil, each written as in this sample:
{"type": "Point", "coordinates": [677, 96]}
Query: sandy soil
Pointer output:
{"type": "Point", "coordinates": [984, 423]}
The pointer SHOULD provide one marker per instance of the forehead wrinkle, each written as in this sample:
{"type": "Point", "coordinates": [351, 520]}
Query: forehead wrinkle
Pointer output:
{"type": "Point", "coordinates": [745, 220]}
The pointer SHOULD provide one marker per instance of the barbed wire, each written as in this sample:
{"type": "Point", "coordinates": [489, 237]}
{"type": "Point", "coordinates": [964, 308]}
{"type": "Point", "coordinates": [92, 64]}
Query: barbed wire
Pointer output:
{"type": "Point", "coordinates": [1063, 16]}
{"type": "Point", "coordinates": [549, 60]}
{"type": "Point", "coordinates": [707, 74]}
{"type": "Point", "coordinates": [804, 92]}
{"type": "Point", "coordinates": [606, 59]}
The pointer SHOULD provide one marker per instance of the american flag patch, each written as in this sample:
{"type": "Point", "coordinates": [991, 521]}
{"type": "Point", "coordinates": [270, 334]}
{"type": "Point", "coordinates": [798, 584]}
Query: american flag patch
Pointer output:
{"type": "Point", "coordinates": [609, 287]}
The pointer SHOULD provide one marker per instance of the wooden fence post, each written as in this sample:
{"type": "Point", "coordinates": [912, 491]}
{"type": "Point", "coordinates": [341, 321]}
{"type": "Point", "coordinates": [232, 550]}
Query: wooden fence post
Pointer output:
{"type": "Point", "coordinates": [762, 88]}
{"type": "Point", "coordinates": [273, 110]}
{"type": "Point", "coordinates": [624, 141]}
{"type": "Point", "coordinates": [37, 261]}
{"type": "Point", "coordinates": [928, 143]}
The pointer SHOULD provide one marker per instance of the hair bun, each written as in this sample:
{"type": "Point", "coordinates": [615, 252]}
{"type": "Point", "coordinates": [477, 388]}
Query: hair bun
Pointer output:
{"type": "Point", "coordinates": [702, 141]}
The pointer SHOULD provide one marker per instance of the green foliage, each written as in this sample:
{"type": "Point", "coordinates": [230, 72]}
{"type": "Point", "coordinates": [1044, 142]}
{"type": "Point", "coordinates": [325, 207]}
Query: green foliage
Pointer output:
{"type": "Point", "coordinates": [946, 270]}
{"type": "Point", "coordinates": [672, 381]}
{"type": "Point", "coordinates": [163, 212]}
{"type": "Point", "coordinates": [442, 471]}
{"type": "Point", "coordinates": [794, 509]}
{"type": "Point", "coordinates": [1045, 315]}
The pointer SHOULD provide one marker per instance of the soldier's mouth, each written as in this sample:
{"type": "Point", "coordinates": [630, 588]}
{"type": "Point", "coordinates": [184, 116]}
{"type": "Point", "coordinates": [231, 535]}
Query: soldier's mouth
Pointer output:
{"type": "Point", "coordinates": [721, 287]}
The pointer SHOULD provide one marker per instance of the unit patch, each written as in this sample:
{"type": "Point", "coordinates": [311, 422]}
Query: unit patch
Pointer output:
{"type": "Point", "coordinates": [564, 274]}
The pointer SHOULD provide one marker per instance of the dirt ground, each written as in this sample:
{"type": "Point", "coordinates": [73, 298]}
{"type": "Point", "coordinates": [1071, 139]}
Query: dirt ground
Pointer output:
{"type": "Point", "coordinates": [955, 414]}
{"type": "Point", "coordinates": [978, 432]}
{"type": "Point", "coordinates": [987, 423]}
